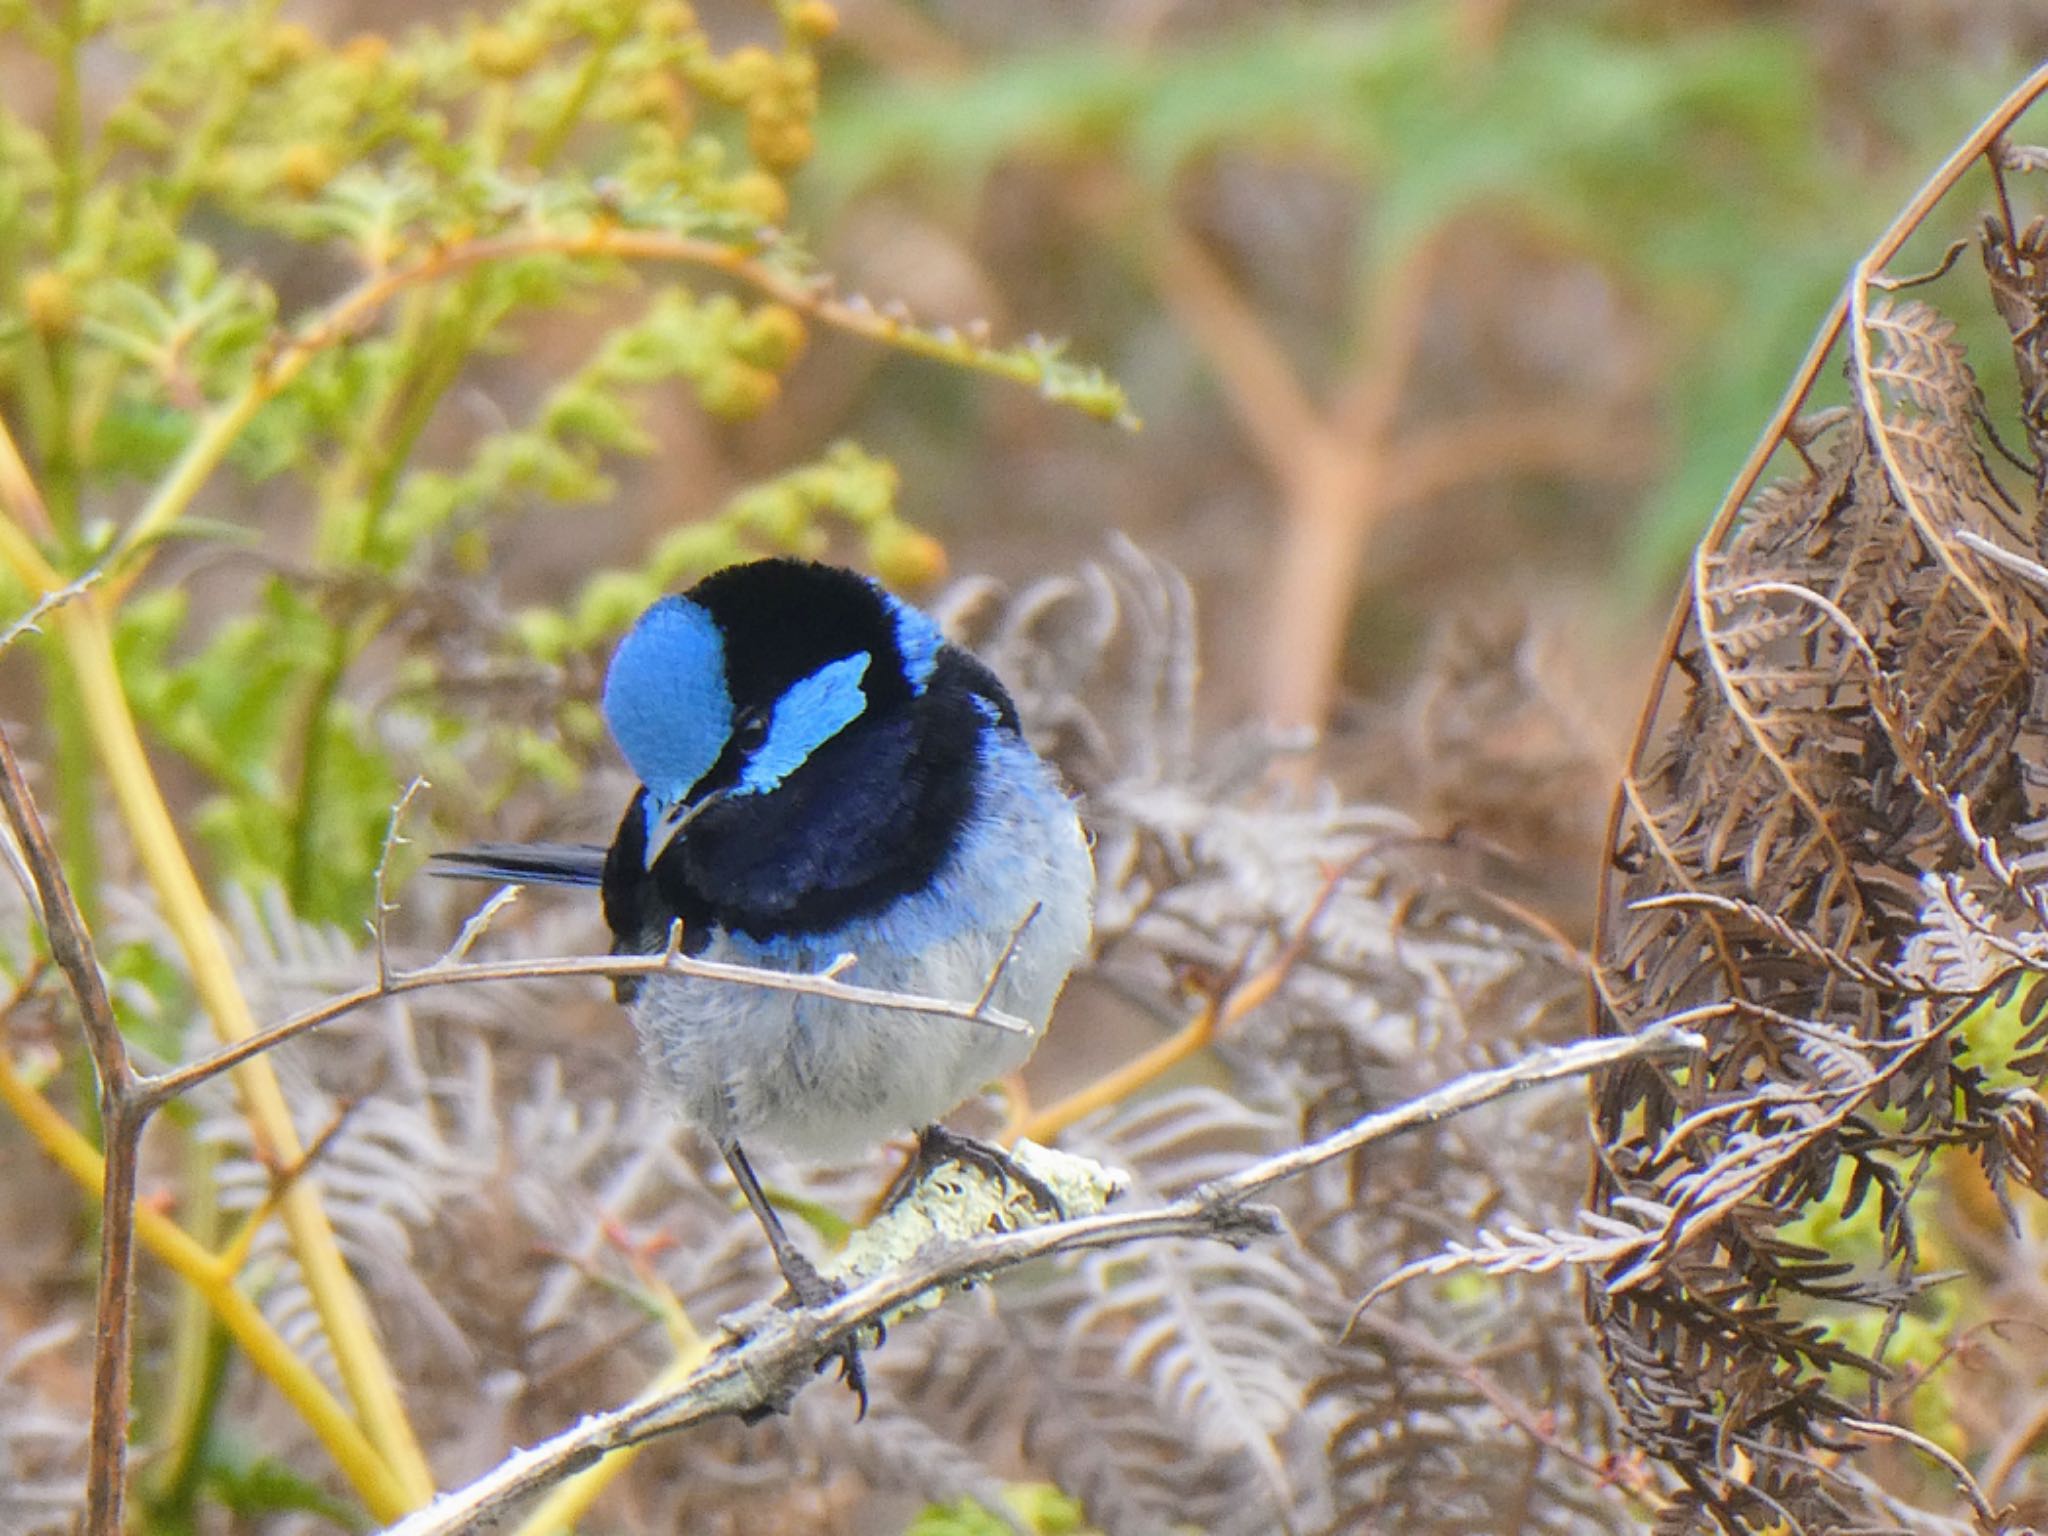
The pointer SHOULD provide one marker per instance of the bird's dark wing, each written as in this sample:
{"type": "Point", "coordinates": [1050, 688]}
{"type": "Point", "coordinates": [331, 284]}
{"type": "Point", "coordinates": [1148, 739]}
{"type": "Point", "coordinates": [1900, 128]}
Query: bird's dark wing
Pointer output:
{"type": "Point", "coordinates": [523, 863]}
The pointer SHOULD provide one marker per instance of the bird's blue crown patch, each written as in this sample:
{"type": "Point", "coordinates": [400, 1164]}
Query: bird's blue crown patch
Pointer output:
{"type": "Point", "coordinates": [665, 697]}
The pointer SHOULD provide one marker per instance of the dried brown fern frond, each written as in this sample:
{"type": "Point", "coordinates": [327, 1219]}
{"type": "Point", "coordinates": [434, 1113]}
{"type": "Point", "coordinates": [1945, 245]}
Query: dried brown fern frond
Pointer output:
{"type": "Point", "coordinates": [1827, 854]}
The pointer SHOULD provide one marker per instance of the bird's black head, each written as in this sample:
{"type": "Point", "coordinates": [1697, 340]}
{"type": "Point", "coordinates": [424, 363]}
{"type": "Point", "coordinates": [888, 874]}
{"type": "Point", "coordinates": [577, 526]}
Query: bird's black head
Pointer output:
{"type": "Point", "coordinates": [807, 746]}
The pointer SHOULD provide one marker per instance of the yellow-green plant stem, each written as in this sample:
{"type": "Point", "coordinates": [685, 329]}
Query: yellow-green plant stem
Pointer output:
{"type": "Point", "coordinates": [68, 145]}
{"type": "Point", "coordinates": [415, 394]}
{"type": "Point", "coordinates": [81, 627]}
{"type": "Point", "coordinates": [550, 144]}
{"type": "Point", "coordinates": [364, 1370]}
{"type": "Point", "coordinates": [359, 1461]}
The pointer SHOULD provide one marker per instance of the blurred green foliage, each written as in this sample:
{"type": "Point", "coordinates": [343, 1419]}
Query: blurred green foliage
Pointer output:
{"type": "Point", "coordinates": [1694, 162]}
{"type": "Point", "coordinates": [1036, 1508]}
{"type": "Point", "coordinates": [568, 167]}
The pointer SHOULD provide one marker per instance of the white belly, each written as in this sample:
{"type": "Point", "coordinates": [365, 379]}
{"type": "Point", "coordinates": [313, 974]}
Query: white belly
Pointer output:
{"type": "Point", "coordinates": [822, 1078]}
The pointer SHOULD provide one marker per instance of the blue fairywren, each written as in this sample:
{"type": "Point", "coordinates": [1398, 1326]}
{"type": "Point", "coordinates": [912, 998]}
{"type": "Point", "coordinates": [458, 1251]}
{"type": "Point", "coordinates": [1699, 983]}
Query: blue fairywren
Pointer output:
{"type": "Point", "coordinates": [823, 773]}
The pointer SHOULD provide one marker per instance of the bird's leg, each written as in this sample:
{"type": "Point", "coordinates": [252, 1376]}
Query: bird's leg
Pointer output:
{"type": "Point", "coordinates": [807, 1288]}
{"type": "Point", "coordinates": [810, 1288]}
{"type": "Point", "coordinates": [937, 1145]}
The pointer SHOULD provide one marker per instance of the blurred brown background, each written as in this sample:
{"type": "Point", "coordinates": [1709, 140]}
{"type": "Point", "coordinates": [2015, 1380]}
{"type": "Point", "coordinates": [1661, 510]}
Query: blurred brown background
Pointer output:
{"type": "Point", "coordinates": [1448, 324]}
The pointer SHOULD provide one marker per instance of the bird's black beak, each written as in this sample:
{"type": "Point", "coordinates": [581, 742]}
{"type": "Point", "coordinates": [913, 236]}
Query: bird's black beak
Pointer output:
{"type": "Point", "coordinates": [668, 826]}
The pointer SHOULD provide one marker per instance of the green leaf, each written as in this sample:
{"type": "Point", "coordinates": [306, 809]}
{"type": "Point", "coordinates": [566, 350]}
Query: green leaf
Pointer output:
{"type": "Point", "coordinates": [1040, 1508]}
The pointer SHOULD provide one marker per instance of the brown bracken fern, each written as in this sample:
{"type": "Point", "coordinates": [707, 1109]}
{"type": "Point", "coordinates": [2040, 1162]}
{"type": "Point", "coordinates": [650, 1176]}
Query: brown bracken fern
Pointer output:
{"type": "Point", "coordinates": [1828, 856]}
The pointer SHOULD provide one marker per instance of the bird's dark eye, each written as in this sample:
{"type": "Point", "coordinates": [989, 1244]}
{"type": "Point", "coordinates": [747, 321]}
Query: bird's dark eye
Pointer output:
{"type": "Point", "coordinates": [750, 729]}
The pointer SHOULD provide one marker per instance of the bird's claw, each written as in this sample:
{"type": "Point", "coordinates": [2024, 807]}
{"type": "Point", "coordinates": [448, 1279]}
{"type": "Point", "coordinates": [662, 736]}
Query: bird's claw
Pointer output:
{"type": "Point", "coordinates": [936, 1146]}
{"type": "Point", "coordinates": [805, 1289]}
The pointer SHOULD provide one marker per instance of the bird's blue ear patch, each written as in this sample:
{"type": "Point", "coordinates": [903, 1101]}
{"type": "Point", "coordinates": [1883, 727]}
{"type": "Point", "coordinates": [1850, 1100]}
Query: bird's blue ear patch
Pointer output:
{"type": "Point", "coordinates": [665, 697]}
{"type": "Point", "coordinates": [809, 714]}
{"type": "Point", "coordinates": [917, 641]}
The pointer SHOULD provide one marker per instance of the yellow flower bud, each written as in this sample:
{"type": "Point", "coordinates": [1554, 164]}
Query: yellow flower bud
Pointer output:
{"type": "Point", "coordinates": [779, 143]}
{"type": "Point", "coordinates": [500, 54]}
{"type": "Point", "coordinates": [661, 97]}
{"type": "Point", "coordinates": [759, 196]}
{"type": "Point", "coordinates": [278, 49]}
{"type": "Point", "coordinates": [306, 168]}
{"type": "Point", "coordinates": [670, 18]}
{"type": "Point", "coordinates": [49, 300]}
{"type": "Point", "coordinates": [365, 51]}
{"type": "Point", "coordinates": [813, 20]}
{"type": "Point", "coordinates": [738, 390]}
{"type": "Point", "coordinates": [771, 337]}
{"type": "Point", "coordinates": [744, 74]}
{"type": "Point", "coordinates": [906, 557]}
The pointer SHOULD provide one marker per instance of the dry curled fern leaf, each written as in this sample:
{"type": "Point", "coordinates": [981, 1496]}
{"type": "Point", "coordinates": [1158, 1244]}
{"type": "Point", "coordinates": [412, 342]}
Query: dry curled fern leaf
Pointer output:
{"type": "Point", "coordinates": [1828, 857]}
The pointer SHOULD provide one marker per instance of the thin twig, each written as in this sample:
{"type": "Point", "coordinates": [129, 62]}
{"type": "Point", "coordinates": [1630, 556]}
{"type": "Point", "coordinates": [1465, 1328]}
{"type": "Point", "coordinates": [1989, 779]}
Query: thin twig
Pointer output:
{"type": "Point", "coordinates": [382, 907]}
{"type": "Point", "coordinates": [30, 622]}
{"type": "Point", "coordinates": [1260, 383]}
{"type": "Point", "coordinates": [163, 1086]}
{"type": "Point", "coordinates": [122, 1115]}
{"type": "Point", "coordinates": [1544, 1065]}
{"type": "Point", "coordinates": [767, 1367]}
{"type": "Point", "coordinates": [1009, 953]}
{"type": "Point", "coordinates": [1965, 1483]}
{"type": "Point", "coordinates": [472, 930]}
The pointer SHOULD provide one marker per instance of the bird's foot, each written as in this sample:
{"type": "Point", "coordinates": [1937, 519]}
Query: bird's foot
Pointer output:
{"type": "Point", "coordinates": [937, 1146]}
{"type": "Point", "coordinates": [803, 1289]}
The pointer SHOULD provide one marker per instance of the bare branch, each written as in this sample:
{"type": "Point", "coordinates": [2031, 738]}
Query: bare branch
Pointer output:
{"type": "Point", "coordinates": [1259, 380]}
{"type": "Point", "coordinates": [1546, 1064]}
{"type": "Point", "coordinates": [122, 1115]}
{"type": "Point", "coordinates": [155, 1091]}
{"type": "Point", "coordinates": [766, 1367]}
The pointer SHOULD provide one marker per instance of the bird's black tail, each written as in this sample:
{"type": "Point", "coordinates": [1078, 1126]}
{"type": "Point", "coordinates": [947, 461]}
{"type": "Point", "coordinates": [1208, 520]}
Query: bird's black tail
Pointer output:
{"type": "Point", "coordinates": [523, 863]}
